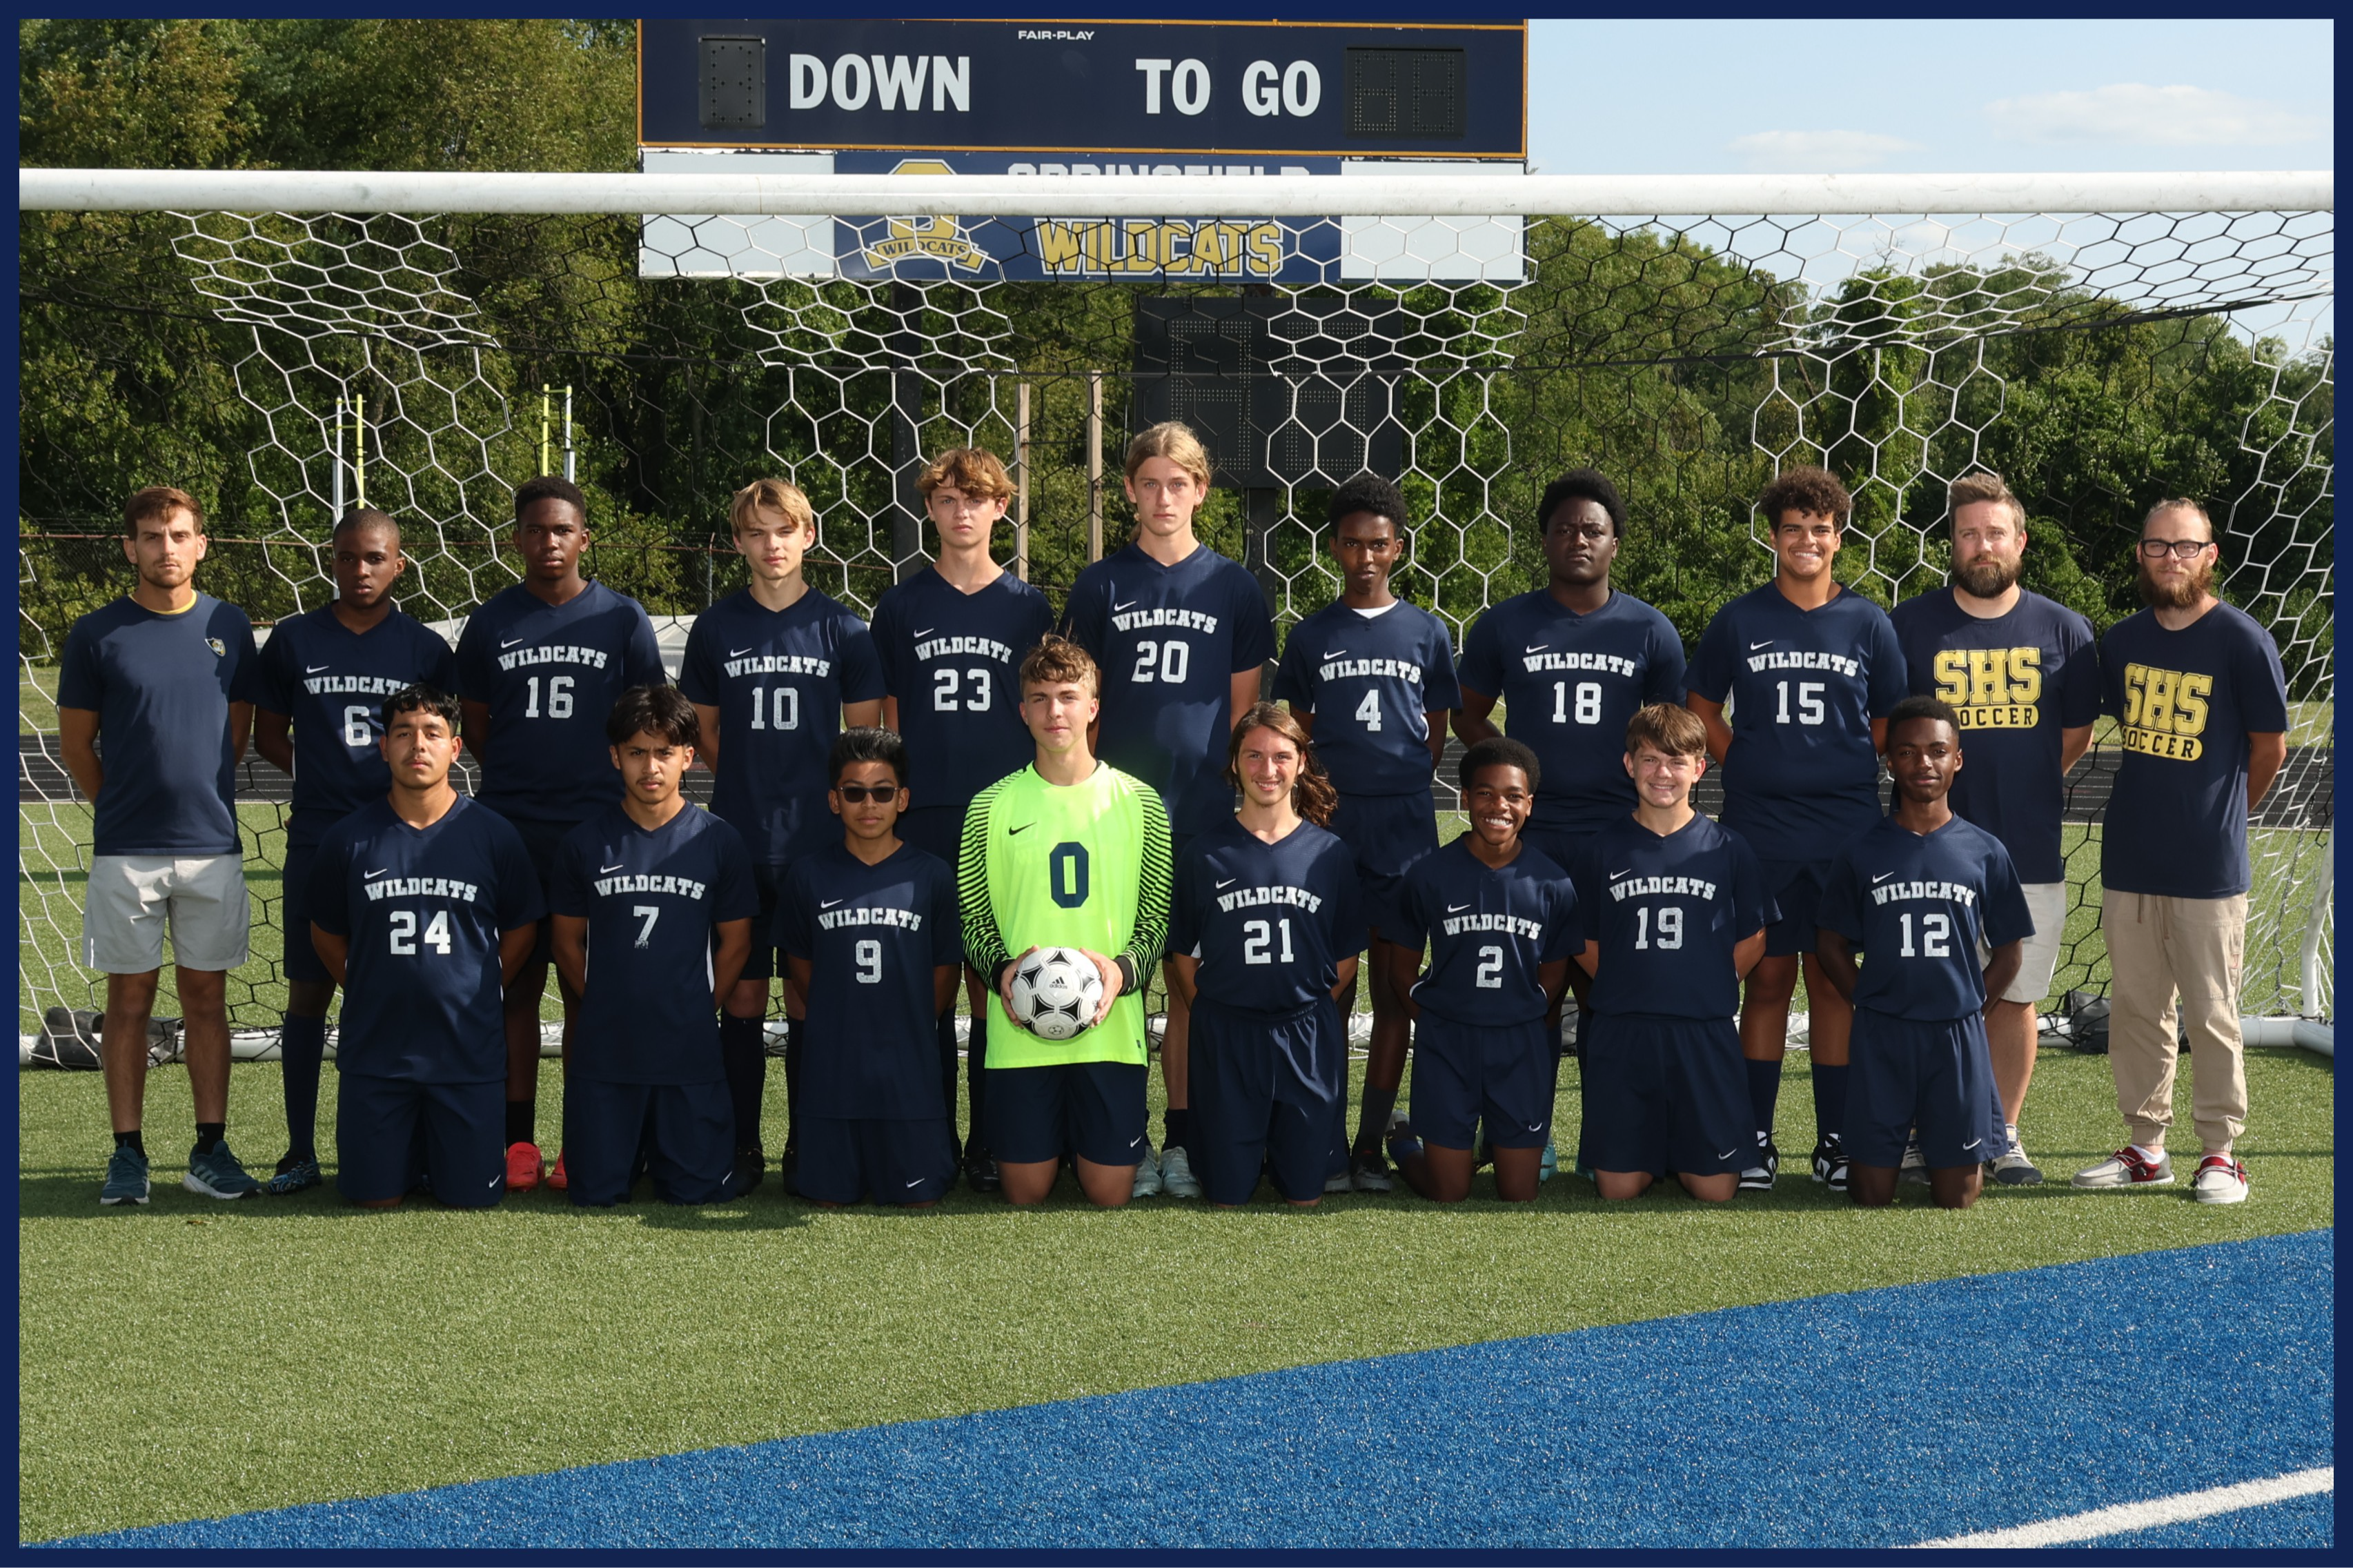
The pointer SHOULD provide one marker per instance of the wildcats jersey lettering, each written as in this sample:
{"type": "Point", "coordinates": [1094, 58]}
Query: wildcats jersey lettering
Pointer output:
{"type": "Point", "coordinates": [1684, 887]}
{"type": "Point", "coordinates": [1183, 620]}
{"type": "Point", "coordinates": [349, 685]}
{"type": "Point", "coordinates": [683, 886]}
{"type": "Point", "coordinates": [1252, 898]}
{"type": "Point", "coordinates": [779, 663]}
{"type": "Point", "coordinates": [562, 653]}
{"type": "Point", "coordinates": [422, 888]}
{"type": "Point", "coordinates": [1940, 892]}
{"type": "Point", "coordinates": [1535, 661]}
{"type": "Point", "coordinates": [946, 647]}
{"type": "Point", "coordinates": [1805, 659]}
{"type": "Point", "coordinates": [1510, 925]}
{"type": "Point", "coordinates": [835, 920]}
{"type": "Point", "coordinates": [1396, 668]}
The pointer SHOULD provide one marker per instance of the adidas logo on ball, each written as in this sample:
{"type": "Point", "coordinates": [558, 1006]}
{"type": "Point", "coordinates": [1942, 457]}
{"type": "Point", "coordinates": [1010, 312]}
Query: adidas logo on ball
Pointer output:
{"type": "Point", "coordinates": [1056, 991]}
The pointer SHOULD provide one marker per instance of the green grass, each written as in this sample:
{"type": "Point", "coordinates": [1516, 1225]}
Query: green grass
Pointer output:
{"type": "Point", "coordinates": [195, 1359]}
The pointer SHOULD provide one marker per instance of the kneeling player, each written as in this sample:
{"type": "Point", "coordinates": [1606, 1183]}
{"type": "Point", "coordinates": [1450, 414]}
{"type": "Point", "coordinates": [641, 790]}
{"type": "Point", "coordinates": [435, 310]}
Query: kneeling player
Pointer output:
{"type": "Point", "coordinates": [423, 906]}
{"type": "Point", "coordinates": [1500, 920]}
{"type": "Point", "coordinates": [1260, 943]}
{"type": "Point", "coordinates": [870, 936]}
{"type": "Point", "coordinates": [1920, 892]}
{"type": "Point", "coordinates": [1674, 912]}
{"type": "Point", "coordinates": [652, 902]}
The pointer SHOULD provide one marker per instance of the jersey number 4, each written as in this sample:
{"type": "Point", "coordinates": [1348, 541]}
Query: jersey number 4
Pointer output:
{"type": "Point", "coordinates": [404, 933]}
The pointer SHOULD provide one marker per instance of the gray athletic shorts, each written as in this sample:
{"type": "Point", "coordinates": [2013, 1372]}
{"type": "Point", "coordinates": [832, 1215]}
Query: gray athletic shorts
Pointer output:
{"type": "Point", "coordinates": [133, 897]}
{"type": "Point", "coordinates": [2039, 960]}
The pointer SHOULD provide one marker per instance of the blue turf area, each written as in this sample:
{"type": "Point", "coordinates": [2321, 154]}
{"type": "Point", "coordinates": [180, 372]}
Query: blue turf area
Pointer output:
{"type": "Point", "coordinates": [1872, 1419]}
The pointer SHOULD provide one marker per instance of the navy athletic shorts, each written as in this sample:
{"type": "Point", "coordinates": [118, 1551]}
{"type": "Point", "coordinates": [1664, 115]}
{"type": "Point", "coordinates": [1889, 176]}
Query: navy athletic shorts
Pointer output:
{"type": "Point", "coordinates": [303, 961]}
{"type": "Point", "coordinates": [1466, 1074]}
{"type": "Point", "coordinates": [935, 830]}
{"type": "Point", "coordinates": [390, 1132]}
{"type": "Point", "coordinates": [768, 926]}
{"type": "Point", "coordinates": [1264, 1089]}
{"type": "Point", "coordinates": [1665, 1094]}
{"type": "Point", "coordinates": [1557, 845]}
{"type": "Point", "coordinates": [540, 841]}
{"type": "Point", "coordinates": [1937, 1076]}
{"type": "Point", "coordinates": [1093, 1110]}
{"type": "Point", "coordinates": [843, 1161]}
{"type": "Point", "coordinates": [684, 1132]}
{"type": "Point", "coordinates": [1388, 834]}
{"type": "Point", "coordinates": [1796, 888]}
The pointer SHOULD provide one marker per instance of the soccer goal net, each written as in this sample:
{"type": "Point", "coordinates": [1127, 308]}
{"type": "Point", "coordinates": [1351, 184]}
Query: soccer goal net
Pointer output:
{"type": "Point", "coordinates": [292, 344]}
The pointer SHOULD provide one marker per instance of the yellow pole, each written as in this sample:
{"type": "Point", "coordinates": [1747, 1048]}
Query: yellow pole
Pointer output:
{"type": "Point", "coordinates": [359, 447]}
{"type": "Point", "coordinates": [544, 420]}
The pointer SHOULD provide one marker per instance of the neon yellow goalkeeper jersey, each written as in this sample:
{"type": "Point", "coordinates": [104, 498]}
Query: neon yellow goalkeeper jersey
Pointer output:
{"type": "Point", "coordinates": [1084, 865]}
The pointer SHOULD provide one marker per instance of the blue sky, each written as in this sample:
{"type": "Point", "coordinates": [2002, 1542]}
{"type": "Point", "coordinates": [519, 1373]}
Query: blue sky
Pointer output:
{"type": "Point", "coordinates": [1720, 97]}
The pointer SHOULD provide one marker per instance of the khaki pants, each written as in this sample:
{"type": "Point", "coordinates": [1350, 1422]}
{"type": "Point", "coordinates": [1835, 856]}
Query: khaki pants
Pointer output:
{"type": "Point", "coordinates": [2158, 948]}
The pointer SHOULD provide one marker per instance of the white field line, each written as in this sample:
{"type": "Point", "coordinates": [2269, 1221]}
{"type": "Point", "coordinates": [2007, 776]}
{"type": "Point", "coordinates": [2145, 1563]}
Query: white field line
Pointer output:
{"type": "Point", "coordinates": [2144, 1515]}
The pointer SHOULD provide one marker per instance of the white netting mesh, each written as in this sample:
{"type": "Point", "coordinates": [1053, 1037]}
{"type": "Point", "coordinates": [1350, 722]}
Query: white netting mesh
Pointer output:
{"type": "Point", "coordinates": [2098, 361]}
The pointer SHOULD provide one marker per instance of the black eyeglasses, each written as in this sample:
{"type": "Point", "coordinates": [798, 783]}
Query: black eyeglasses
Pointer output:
{"type": "Point", "coordinates": [857, 794]}
{"type": "Point", "coordinates": [2155, 549]}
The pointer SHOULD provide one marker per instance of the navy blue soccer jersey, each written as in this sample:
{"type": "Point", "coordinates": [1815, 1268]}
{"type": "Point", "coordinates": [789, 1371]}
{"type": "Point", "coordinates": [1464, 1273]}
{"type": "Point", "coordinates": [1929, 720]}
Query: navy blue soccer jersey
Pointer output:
{"type": "Point", "coordinates": [1802, 776]}
{"type": "Point", "coordinates": [1915, 907]}
{"type": "Point", "coordinates": [331, 682]}
{"type": "Point", "coordinates": [549, 674]}
{"type": "Point", "coordinates": [953, 659]}
{"type": "Point", "coordinates": [423, 912]}
{"type": "Point", "coordinates": [1667, 914]}
{"type": "Point", "coordinates": [2187, 702]}
{"type": "Point", "coordinates": [2017, 680]}
{"type": "Point", "coordinates": [1170, 639]}
{"type": "Point", "coordinates": [872, 936]}
{"type": "Point", "coordinates": [161, 686]}
{"type": "Point", "coordinates": [1371, 681]}
{"type": "Point", "coordinates": [1568, 684]}
{"type": "Point", "coordinates": [651, 899]}
{"type": "Point", "coordinates": [778, 678]}
{"type": "Point", "coordinates": [1270, 922]}
{"type": "Point", "coordinates": [1487, 930]}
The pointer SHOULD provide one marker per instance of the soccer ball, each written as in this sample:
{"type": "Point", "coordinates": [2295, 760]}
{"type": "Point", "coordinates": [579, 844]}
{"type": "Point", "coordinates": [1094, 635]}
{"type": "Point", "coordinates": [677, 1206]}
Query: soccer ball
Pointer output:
{"type": "Point", "coordinates": [1056, 991]}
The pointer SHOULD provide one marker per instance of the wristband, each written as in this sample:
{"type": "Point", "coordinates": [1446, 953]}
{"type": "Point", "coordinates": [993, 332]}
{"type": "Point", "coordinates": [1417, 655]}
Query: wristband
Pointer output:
{"type": "Point", "coordinates": [1126, 967]}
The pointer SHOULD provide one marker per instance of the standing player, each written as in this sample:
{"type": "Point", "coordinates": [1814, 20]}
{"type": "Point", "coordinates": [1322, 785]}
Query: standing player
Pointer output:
{"type": "Point", "coordinates": [1068, 852]}
{"type": "Point", "coordinates": [2020, 672]}
{"type": "Point", "coordinates": [422, 905]}
{"type": "Point", "coordinates": [2197, 689]}
{"type": "Point", "coordinates": [951, 641]}
{"type": "Point", "coordinates": [1181, 636]}
{"type": "Point", "coordinates": [1261, 940]}
{"type": "Point", "coordinates": [1674, 913]}
{"type": "Point", "coordinates": [1811, 670]}
{"type": "Point", "coordinates": [1373, 678]}
{"type": "Point", "coordinates": [538, 667]}
{"type": "Point", "coordinates": [652, 907]}
{"type": "Point", "coordinates": [871, 938]}
{"type": "Point", "coordinates": [164, 675]}
{"type": "Point", "coordinates": [1501, 922]}
{"type": "Point", "coordinates": [773, 670]}
{"type": "Point", "coordinates": [323, 675]}
{"type": "Point", "coordinates": [1922, 894]}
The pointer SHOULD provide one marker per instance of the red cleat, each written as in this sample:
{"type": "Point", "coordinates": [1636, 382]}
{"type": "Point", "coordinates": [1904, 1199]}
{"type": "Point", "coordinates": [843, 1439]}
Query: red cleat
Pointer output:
{"type": "Point", "coordinates": [523, 1167]}
{"type": "Point", "coordinates": [556, 1180]}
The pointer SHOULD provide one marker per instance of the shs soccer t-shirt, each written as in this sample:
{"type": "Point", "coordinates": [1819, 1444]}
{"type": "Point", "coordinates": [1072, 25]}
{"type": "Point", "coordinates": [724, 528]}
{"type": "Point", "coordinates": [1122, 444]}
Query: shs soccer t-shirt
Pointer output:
{"type": "Point", "coordinates": [1568, 684]}
{"type": "Point", "coordinates": [1802, 776]}
{"type": "Point", "coordinates": [1371, 679]}
{"type": "Point", "coordinates": [2186, 701]}
{"type": "Point", "coordinates": [1270, 922]}
{"type": "Point", "coordinates": [953, 659]}
{"type": "Point", "coordinates": [778, 678]}
{"type": "Point", "coordinates": [549, 674]}
{"type": "Point", "coordinates": [1170, 639]}
{"type": "Point", "coordinates": [161, 686]}
{"type": "Point", "coordinates": [2017, 680]}
{"type": "Point", "coordinates": [651, 899]}
{"type": "Point", "coordinates": [1915, 906]}
{"type": "Point", "coordinates": [423, 911]}
{"type": "Point", "coordinates": [1487, 930]}
{"type": "Point", "coordinates": [872, 935]}
{"type": "Point", "coordinates": [1666, 912]}
{"type": "Point", "coordinates": [331, 681]}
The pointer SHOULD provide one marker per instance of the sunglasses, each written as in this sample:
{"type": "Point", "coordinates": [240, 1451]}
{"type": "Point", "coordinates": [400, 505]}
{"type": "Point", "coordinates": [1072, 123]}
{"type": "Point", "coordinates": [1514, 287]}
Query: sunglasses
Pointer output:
{"type": "Point", "coordinates": [857, 794]}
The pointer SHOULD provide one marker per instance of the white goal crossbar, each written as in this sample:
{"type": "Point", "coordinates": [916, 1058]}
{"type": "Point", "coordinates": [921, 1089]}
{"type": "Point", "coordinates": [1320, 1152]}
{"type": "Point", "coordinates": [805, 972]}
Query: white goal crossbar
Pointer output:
{"type": "Point", "coordinates": [1430, 193]}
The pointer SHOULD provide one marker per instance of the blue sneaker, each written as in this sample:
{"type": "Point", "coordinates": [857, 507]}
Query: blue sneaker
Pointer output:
{"type": "Point", "coordinates": [294, 1176]}
{"type": "Point", "coordinates": [1548, 1165]}
{"type": "Point", "coordinates": [126, 1178]}
{"type": "Point", "coordinates": [1402, 1142]}
{"type": "Point", "coordinates": [218, 1174]}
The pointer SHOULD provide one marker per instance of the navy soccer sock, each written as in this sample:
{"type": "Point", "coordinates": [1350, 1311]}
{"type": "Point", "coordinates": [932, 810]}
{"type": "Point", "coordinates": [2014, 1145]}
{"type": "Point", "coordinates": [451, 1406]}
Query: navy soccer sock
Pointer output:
{"type": "Point", "coordinates": [302, 1048]}
{"type": "Point", "coordinates": [792, 1079]}
{"type": "Point", "coordinates": [949, 1072]}
{"type": "Point", "coordinates": [522, 1121]}
{"type": "Point", "coordinates": [740, 1057]}
{"type": "Point", "coordinates": [1177, 1130]}
{"type": "Point", "coordinates": [1830, 1099]}
{"type": "Point", "coordinates": [1373, 1117]}
{"type": "Point", "coordinates": [1764, 1090]}
{"type": "Point", "coordinates": [976, 1066]}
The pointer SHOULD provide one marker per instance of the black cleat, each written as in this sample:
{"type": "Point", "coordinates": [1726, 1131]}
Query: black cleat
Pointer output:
{"type": "Point", "coordinates": [1831, 1162]}
{"type": "Point", "coordinates": [980, 1170]}
{"type": "Point", "coordinates": [751, 1169]}
{"type": "Point", "coordinates": [1758, 1177]}
{"type": "Point", "coordinates": [788, 1170]}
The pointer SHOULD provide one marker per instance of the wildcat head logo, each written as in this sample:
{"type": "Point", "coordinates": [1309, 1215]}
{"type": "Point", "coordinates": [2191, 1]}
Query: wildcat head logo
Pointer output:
{"type": "Point", "coordinates": [923, 238]}
{"type": "Point", "coordinates": [220, 648]}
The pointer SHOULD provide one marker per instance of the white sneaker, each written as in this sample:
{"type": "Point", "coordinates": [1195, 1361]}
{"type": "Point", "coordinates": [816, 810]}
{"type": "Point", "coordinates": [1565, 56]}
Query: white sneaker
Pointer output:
{"type": "Point", "coordinates": [1338, 1181]}
{"type": "Point", "coordinates": [1914, 1171]}
{"type": "Point", "coordinates": [1177, 1172]}
{"type": "Point", "coordinates": [2219, 1180]}
{"type": "Point", "coordinates": [2011, 1168]}
{"type": "Point", "coordinates": [1147, 1176]}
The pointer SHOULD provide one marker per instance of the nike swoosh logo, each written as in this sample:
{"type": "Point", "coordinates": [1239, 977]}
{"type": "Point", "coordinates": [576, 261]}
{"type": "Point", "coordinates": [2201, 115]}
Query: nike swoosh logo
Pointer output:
{"type": "Point", "coordinates": [1335, 653]}
{"type": "Point", "coordinates": [1129, 605]}
{"type": "Point", "coordinates": [924, 632]}
{"type": "Point", "coordinates": [737, 652]}
{"type": "Point", "coordinates": [1023, 829]}
{"type": "Point", "coordinates": [513, 644]}
{"type": "Point", "coordinates": [1725, 1155]}
{"type": "Point", "coordinates": [828, 903]}
{"type": "Point", "coordinates": [602, 870]}
{"type": "Point", "coordinates": [1882, 876]}
{"type": "Point", "coordinates": [496, 1180]}
{"type": "Point", "coordinates": [1627, 873]}
{"type": "Point", "coordinates": [1133, 1142]}
{"type": "Point", "coordinates": [1754, 646]}
{"type": "Point", "coordinates": [1228, 882]}
{"type": "Point", "coordinates": [917, 1182]}
{"type": "Point", "coordinates": [1972, 1142]}
{"type": "Point", "coordinates": [1536, 1126]}
{"type": "Point", "coordinates": [1538, 647]}
{"type": "Point", "coordinates": [379, 871]}
{"type": "Point", "coordinates": [314, 668]}
{"type": "Point", "coordinates": [1456, 909]}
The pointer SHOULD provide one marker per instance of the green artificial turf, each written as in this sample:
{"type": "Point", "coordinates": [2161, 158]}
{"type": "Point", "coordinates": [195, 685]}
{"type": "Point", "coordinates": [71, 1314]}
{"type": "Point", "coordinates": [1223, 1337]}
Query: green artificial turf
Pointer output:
{"type": "Point", "coordinates": [197, 1358]}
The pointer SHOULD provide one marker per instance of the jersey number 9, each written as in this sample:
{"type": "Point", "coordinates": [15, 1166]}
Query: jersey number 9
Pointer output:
{"type": "Point", "coordinates": [869, 962]}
